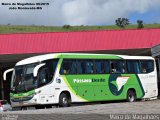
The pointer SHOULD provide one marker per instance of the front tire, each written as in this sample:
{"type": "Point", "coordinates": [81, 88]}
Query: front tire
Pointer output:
{"type": "Point", "coordinates": [131, 96]}
{"type": "Point", "coordinates": [64, 100]}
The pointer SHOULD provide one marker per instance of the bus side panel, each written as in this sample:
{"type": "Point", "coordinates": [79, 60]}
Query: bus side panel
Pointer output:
{"type": "Point", "coordinates": [121, 83]}
{"type": "Point", "coordinates": [149, 83]}
{"type": "Point", "coordinates": [104, 87]}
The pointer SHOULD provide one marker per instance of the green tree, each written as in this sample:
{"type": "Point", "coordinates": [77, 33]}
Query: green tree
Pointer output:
{"type": "Point", "coordinates": [140, 24]}
{"type": "Point", "coordinates": [122, 22]}
{"type": "Point", "coordinates": [66, 26]}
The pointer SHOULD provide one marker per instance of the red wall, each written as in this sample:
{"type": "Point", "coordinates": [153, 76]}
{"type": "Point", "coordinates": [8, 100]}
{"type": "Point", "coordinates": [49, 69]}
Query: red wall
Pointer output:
{"type": "Point", "coordinates": [78, 41]}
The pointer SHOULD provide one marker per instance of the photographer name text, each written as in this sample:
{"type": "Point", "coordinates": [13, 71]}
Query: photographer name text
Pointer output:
{"type": "Point", "coordinates": [25, 6]}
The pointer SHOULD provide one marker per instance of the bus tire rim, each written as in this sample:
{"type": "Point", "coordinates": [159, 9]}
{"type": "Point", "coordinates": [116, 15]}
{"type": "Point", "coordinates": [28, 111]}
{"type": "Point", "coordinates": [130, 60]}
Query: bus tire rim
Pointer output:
{"type": "Point", "coordinates": [131, 97]}
{"type": "Point", "coordinates": [65, 101]}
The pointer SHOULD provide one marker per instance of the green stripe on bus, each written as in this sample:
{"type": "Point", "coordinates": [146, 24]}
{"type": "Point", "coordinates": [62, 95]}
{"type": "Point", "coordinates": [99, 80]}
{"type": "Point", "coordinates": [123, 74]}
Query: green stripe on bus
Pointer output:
{"type": "Point", "coordinates": [20, 95]}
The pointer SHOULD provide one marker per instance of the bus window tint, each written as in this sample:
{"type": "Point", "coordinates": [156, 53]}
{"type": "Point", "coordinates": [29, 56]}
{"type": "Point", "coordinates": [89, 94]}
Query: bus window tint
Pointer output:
{"type": "Point", "coordinates": [107, 67]}
{"type": "Point", "coordinates": [85, 66]}
{"type": "Point", "coordinates": [68, 67]}
{"type": "Point", "coordinates": [43, 76]}
{"type": "Point", "coordinates": [133, 66]}
{"type": "Point", "coordinates": [117, 66]}
{"type": "Point", "coordinates": [80, 68]}
{"type": "Point", "coordinates": [73, 67]}
{"type": "Point", "coordinates": [147, 66]}
{"type": "Point", "coordinates": [46, 73]}
{"type": "Point", "coordinates": [51, 66]}
{"type": "Point", "coordinates": [89, 67]}
{"type": "Point", "coordinates": [30, 82]}
{"type": "Point", "coordinates": [101, 66]}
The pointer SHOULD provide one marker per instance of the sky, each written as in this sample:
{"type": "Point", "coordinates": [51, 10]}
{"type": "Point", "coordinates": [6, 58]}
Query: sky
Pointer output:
{"type": "Point", "coordinates": [81, 12]}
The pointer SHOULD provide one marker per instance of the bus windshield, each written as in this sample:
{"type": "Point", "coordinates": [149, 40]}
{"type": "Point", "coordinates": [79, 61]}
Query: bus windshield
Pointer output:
{"type": "Point", "coordinates": [23, 79]}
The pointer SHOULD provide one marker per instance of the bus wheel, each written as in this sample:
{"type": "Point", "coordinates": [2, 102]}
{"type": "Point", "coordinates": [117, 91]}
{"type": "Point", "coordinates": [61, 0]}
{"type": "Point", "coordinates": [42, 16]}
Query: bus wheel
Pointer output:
{"type": "Point", "coordinates": [64, 100]}
{"type": "Point", "coordinates": [131, 96]}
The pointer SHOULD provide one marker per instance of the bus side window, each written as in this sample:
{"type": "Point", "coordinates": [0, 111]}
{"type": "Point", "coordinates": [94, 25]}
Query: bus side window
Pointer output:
{"type": "Point", "coordinates": [114, 67]}
{"type": "Point", "coordinates": [73, 67]}
{"type": "Point", "coordinates": [101, 66]}
{"type": "Point", "coordinates": [68, 67]}
{"type": "Point", "coordinates": [118, 66]}
{"type": "Point", "coordinates": [85, 66]}
{"type": "Point", "coordinates": [147, 66]}
{"type": "Point", "coordinates": [79, 67]}
{"type": "Point", "coordinates": [133, 66]}
{"type": "Point", "coordinates": [43, 76]}
{"type": "Point", "coordinates": [65, 67]}
{"type": "Point", "coordinates": [107, 67]}
{"type": "Point", "coordinates": [89, 67]}
{"type": "Point", "coordinates": [51, 65]}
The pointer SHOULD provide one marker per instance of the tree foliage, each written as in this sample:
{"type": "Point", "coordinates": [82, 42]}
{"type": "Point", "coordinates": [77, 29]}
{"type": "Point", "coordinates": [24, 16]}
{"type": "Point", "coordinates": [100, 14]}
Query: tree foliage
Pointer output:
{"type": "Point", "coordinates": [140, 24]}
{"type": "Point", "coordinates": [122, 22]}
{"type": "Point", "coordinates": [66, 26]}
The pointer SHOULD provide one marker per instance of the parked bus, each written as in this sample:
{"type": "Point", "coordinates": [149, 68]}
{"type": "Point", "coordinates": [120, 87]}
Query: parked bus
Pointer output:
{"type": "Point", "coordinates": [65, 78]}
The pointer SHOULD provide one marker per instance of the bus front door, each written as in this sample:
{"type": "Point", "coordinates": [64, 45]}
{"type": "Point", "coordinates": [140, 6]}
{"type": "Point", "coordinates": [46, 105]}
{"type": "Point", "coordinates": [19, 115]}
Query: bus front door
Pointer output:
{"type": "Point", "coordinates": [158, 74]}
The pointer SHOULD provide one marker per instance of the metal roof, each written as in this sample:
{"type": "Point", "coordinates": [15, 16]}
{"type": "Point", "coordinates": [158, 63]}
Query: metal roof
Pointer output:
{"type": "Point", "coordinates": [78, 41]}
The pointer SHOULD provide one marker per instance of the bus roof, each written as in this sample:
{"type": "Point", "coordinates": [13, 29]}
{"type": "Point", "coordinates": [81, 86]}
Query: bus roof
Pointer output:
{"type": "Point", "coordinates": [77, 55]}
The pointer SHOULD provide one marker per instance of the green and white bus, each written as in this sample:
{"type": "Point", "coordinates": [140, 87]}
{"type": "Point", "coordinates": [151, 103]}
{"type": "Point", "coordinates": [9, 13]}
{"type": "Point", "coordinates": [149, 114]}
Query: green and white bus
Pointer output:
{"type": "Point", "coordinates": [65, 78]}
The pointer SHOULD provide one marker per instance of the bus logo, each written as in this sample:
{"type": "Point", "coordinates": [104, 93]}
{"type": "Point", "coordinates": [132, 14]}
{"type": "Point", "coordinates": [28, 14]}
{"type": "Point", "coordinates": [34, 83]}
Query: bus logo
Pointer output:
{"type": "Point", "coordinates": [116, 83]}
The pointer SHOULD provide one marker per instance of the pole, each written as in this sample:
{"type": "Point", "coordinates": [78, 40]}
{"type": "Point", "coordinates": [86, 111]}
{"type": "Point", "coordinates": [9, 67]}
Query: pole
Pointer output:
{"type": "Point", "coordinates": [1, 83]}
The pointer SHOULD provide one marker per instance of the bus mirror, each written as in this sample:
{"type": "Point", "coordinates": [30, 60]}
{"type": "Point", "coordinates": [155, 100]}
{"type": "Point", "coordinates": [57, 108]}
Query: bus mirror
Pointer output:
{"type": "Point", "coordinates": [5, 73]}
{"type": "Point", "coordinates": [35, 71]}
